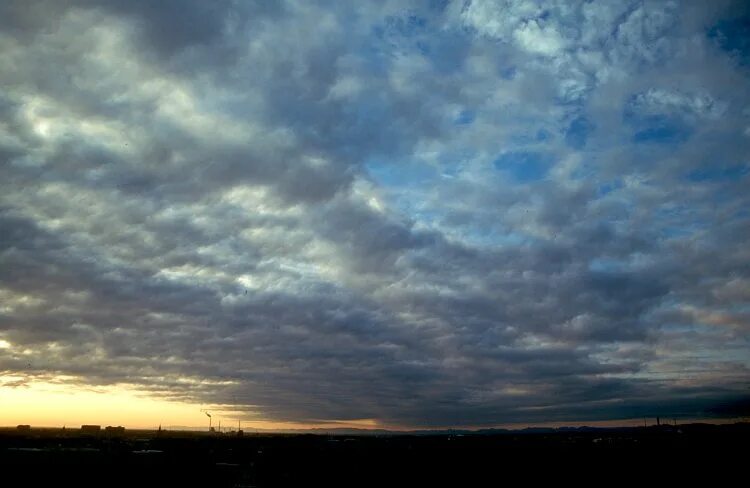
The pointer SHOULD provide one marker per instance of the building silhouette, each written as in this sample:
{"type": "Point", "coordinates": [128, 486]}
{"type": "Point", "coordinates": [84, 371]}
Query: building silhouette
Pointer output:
{"type": "Point", "coordinates": [114, 431]}
{"type": "Point", "coordinates": [90, 429]}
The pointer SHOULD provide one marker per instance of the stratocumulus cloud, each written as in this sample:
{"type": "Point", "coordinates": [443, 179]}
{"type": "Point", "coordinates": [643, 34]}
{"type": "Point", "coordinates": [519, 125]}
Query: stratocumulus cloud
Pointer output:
{"type": "Point", "coordinates": [424, 213]}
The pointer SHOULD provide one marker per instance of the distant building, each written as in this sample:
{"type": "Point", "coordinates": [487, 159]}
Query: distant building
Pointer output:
{"type": "Point", "coordinates": [114, 431]}
{"type": "Point", "coordinates": [90, 429]}
{"type": "Point", "coordinates": [24, 428]}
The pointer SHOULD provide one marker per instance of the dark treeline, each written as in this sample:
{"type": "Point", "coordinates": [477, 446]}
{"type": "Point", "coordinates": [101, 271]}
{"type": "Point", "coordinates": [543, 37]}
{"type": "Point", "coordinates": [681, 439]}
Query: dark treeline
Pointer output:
{"type": "Point", "coordinates": [140, 458]}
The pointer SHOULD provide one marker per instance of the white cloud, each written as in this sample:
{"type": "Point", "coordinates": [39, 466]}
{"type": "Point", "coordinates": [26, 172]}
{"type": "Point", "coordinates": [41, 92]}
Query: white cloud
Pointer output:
{"type": "Point", "coordinates": [702, 105]}
{"type": "Point", "coordinates": [539, 39]}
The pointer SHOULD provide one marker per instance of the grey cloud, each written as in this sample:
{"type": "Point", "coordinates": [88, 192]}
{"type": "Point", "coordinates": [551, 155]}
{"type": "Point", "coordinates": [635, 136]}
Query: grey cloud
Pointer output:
{"type": "Point", "coordinates": [188, 192]}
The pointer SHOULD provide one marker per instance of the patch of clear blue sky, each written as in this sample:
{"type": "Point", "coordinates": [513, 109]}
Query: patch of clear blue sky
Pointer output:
{"type": "Point", "coordinates": [733, 36]}
{"type": "Point", "coordinates": [608, 187]}
{"type": "Point", "coordinates": [465, 117]}
{"type": "Point", "coordinates": [406, 186]}
{"type": "Point", "coordinates": [662, 131]}
{"type": "Point", "coordinates": [508, 72]}
{"type": "Point", "coordinates": [524, 166]}
{"type": "Point", "coordinates": [529, 138]}
{"type": "Point", "coordinates": [678, 221]}
{"type": "Point", "coordinates": [542, 135]}
{"type": "Point", "coordinates": [401, 175]}
{"type": "Point", "coordinates": [413, 32]}
{"type": "Point", "coordinates": [719, 173]}
{"type": "Point", "coordinates": [658, 128]}
{"type": "Point", "coordinates": [578, 131]}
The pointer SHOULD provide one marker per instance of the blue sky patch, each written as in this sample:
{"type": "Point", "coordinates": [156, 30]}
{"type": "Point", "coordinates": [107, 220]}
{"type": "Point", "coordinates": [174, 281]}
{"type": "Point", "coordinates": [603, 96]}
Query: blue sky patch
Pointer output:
{"type": "Point", "coordinates": [406, 26]}
{"type": "Point", "coordinates": [401, 175]}
{"type": "Point", "coordinates": [719, 173]}
{"type": "Point", "coordinates": [733, 36]}
{"type": "Point", "coordinates": [524, 166]}
{"type": "Point", "coordinates": [466, 117]}
{"type": "Point", "coordinates": [578, 132]}
{"type": "Point", "coordinates": [508, 73]}
{"type": "Point", "coordinates": [661, 130]}
{"type": "Point", "coordinates": [609, 187]}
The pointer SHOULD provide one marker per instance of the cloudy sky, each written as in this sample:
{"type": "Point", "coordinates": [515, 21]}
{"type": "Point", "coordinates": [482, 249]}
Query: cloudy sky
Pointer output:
{"type": "Point", "coordinates": [419, 214]}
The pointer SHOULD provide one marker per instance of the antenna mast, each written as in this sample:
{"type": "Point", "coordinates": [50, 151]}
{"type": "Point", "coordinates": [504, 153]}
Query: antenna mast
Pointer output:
{"type": "Point", "coordinates": [209, 418]}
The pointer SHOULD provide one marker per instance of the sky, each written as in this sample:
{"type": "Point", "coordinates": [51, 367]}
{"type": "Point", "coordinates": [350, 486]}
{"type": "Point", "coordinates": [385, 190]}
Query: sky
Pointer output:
{"type": "Point", "coordinates": [396, 214]}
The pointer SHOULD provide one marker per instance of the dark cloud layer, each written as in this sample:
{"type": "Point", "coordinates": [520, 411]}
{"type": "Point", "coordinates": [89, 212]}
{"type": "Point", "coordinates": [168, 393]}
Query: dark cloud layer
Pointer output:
{"type": "Point", "coordinates": [423, 213]}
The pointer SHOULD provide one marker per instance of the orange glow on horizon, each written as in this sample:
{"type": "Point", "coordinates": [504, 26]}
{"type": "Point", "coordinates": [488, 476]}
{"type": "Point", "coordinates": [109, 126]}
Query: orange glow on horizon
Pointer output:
{"type": "Point", "coordinates": [49, 403]}
{"type": "Point", "coordinates": [55, 403]}
{"type": "Point", "coordinates": [52, 404]}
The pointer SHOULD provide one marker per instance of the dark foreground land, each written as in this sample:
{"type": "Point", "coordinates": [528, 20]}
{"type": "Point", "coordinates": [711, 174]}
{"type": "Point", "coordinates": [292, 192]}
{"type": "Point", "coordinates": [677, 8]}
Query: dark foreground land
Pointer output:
{"type": "Point", "coordinates": [713, 454]}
